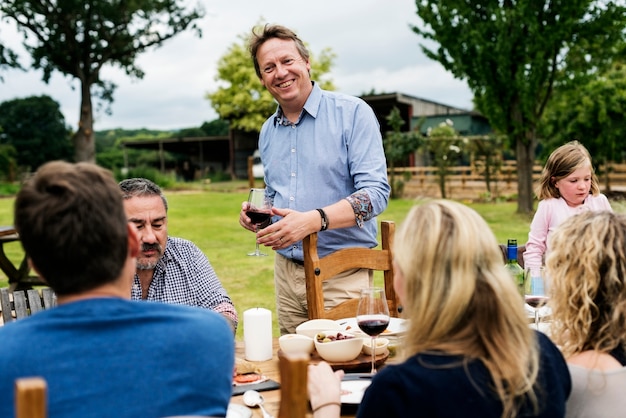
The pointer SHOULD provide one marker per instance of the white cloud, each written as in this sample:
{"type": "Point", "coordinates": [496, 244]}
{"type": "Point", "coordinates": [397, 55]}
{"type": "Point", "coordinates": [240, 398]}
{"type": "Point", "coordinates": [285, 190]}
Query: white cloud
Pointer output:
{"type": "Point", "coordinates": [374, 44]}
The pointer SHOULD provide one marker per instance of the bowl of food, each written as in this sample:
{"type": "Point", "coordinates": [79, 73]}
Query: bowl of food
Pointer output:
{"type": "Point", "coordinates": [296, 344]}
{"type": "Point", "coordinates": [312, 327]}
{"type": "Point", "coordinates": [381, 346]}
{"type": "Point", "coordinates": [338, 346]}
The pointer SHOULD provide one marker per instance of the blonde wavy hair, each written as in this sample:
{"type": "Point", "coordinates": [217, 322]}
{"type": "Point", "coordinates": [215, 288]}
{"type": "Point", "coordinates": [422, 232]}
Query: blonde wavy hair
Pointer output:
{"type": "Point", "coordinates": [562, 162]}
{"type": "Point", "coordinates": [586, 267]}
{"type": "Point", "coordinates": [464, 301]}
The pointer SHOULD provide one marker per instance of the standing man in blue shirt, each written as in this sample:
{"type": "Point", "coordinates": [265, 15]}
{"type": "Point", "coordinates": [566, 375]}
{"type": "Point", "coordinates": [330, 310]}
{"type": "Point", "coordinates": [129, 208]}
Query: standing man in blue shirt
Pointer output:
{"type": "Point", "coordinates": [325, 170]}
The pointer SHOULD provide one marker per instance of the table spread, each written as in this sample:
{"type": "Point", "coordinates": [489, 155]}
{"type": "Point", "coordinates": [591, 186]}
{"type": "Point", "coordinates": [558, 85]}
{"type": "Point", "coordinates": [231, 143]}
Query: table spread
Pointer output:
{"type": "Point", "coordinates": [270, 369]}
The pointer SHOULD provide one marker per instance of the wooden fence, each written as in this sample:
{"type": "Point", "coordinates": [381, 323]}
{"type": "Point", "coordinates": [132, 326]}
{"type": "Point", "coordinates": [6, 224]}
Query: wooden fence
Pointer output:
{"type": "Point", "coordinates": [468, 182]}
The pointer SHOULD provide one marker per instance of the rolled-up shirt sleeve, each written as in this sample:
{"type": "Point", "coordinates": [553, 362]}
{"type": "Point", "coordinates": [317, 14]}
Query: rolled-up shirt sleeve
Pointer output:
{"type": "Point", "coordinates": [211, 293]}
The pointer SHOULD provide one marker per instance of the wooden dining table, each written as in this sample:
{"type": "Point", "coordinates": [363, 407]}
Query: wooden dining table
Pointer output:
{"type": "Point", "coordinates": [270, 368]}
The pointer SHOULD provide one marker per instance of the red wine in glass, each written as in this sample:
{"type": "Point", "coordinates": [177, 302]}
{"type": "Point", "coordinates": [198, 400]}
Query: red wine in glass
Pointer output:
{"type": "Point", "coordinates": [372, 315]}
{"type": "Point", "coordinates": [259, 211]}
{"type": "Point", "coordinates": [535, 291]}
{"type": "Point", "coordinates": [373, 325]}
{"type": "Point", "coordinates": [536, 301]}
{"type": "Point", "coordinates": [258, 218]}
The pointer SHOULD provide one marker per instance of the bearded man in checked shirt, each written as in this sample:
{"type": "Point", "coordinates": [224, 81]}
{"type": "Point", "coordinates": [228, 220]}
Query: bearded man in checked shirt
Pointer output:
{"type": "Point", "coordinates": [169, 269]}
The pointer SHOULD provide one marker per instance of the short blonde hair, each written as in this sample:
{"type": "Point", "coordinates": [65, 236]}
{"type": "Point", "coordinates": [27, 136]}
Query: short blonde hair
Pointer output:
{"type": "Point", "coordinates": [458, 291]}
{"type": "Point", "coordinates": [562, 162]}
{"type": "Point", "coordinates": [586, 267]}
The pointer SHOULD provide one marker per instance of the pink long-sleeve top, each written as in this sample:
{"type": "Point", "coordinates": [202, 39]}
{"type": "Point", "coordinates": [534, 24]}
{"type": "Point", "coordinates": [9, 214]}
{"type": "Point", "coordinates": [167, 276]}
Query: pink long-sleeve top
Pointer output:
{"type": "Point", "coordinates": [550, 214]}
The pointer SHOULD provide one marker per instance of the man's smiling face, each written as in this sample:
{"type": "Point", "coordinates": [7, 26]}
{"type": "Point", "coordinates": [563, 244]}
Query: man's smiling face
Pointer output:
{"type": "Point", "coordinates": [284, 73]}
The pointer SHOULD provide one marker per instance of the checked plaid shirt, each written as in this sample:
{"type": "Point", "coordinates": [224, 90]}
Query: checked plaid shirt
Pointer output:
{"type": "Point", "coordinates": [185, 276]}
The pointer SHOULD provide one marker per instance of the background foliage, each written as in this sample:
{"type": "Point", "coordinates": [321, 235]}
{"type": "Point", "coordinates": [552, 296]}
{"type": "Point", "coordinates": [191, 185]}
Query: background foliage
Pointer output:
{"type": "Point", "coordinates": [513, 53]}
{"type": "Point", "coordinates": [36, 129]}
{"type": "Point", "coordinates": [78, 38]}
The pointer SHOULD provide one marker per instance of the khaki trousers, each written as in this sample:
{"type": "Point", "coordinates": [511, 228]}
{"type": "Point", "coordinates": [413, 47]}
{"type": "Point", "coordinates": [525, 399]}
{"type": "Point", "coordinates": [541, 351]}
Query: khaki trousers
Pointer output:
{"type": "Point", "coordinates": [291, 304]}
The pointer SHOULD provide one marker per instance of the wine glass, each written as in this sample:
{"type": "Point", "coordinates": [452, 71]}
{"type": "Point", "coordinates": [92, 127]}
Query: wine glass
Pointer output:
{"type": "Point", "coordinates": [535, 291]}
{"type": "Point", "coordinates": [372, 315]}
{"type": "Point", "coordinates": [259, 211]}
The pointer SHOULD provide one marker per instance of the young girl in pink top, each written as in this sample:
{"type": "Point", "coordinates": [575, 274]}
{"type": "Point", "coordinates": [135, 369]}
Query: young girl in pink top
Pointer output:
{"type": "Point", "coordinates": [568, 185]}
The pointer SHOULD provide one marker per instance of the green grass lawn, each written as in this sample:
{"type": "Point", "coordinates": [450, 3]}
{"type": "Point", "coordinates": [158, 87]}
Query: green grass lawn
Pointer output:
{"type": "Point", "coordinates": [210, 219]}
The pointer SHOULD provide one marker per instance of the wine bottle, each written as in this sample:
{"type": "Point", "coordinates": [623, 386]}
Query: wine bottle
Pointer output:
{"type": "Point", "coordinates": [515, 270]}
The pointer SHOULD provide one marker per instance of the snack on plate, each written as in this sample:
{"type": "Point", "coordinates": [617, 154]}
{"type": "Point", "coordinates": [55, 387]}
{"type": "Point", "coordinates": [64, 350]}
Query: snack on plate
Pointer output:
{"type": "Point", "coordinates": [244, 366]}
{"type": "Point", "coordinates": [323, 338]}
{"type": "Point", "coordinates": [246, 373]}
{"type": "Point", "coordinates": [240, 379]}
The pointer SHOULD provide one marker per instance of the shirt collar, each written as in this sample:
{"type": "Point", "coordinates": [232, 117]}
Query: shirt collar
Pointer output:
{"type": "Point", "coordinates": [311, 106]}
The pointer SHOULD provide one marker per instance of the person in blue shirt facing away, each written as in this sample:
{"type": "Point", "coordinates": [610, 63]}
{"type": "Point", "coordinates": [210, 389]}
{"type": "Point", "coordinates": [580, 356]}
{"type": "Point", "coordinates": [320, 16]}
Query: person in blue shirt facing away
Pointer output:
{"type": "Point", "coordinates": [468, 350]}
{"type": "Point", "coordinates": [101, 354]}
{"type": "Point", "coordinates": [325, 170]}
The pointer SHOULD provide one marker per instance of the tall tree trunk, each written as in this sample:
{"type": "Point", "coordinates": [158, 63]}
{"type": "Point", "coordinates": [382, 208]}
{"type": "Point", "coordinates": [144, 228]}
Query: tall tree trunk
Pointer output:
{"type": "Point", "coordinates": [84, 138]}
{"type": "Point", "coordinates": [525, 155]}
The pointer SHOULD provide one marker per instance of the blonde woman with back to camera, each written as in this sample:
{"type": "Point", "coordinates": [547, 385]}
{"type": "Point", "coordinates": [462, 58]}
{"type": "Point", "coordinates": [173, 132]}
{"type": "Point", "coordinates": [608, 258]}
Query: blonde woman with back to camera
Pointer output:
{"type": "Point", "coordinates": [587, 267]}
{"type": "Point", "coordinates": [469, 351]}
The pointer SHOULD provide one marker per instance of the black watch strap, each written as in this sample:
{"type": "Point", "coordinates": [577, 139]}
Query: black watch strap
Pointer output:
{"type": "Point", "coordinates": [324, 220]}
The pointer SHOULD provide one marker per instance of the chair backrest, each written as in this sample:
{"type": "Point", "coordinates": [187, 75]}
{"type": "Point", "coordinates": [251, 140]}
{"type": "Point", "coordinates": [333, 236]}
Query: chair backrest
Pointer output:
{"type": "Point", "coordinates": [22, 303]}
{"type": "Point", "coordinates": [520, 254]}
{"type": "Point", "coordinates": [317, 270]}
{"type": "Point", "coordinates": [294, 401]}
{"type": "Point", "coordinates": [31, 398]}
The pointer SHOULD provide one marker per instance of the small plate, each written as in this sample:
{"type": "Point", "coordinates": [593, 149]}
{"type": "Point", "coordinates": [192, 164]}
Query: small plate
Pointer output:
{"type": "Point", "coordinates": [396, 326]}
{"type": "Point", "coordinates": [353, 387]}
{"type": "Point", "coordinates": [238, 411]}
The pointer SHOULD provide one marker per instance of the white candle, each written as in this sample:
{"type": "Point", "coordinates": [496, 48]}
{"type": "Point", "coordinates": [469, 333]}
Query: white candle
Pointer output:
{"type": "Point", "coordinates": [257, 334]}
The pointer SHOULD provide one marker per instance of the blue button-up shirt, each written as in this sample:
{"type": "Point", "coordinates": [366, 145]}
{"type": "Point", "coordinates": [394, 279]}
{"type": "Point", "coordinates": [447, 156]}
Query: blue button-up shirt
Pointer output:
{"type": "Point", "coordinates": [334, 151]}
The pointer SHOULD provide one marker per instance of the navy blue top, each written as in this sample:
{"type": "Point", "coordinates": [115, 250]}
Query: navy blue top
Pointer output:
{"type": "Point", "coordinates": [439, 385]}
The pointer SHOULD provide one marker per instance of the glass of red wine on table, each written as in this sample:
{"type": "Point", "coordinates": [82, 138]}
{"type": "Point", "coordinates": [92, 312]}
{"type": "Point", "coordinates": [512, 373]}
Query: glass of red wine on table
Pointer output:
{"type": "Point", "coordinates": [535, 291]}
{"type": "Point", "coordinates": [373, 316]}
{"type": "Point", "coordinates": [259, 211]}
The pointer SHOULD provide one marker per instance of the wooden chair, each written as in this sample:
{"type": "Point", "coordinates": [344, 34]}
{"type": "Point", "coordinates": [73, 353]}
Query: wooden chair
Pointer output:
{"type": "Point", "coordinates": [294, 402]}
{"type": "Point", "coordinates": [520, 253]}
{"type": "Point", "coordinates": [25, 302]}
{"type": "Point", "coordinates": [317, 270]}
{"type": "Point", "coordinates": [31, 398]}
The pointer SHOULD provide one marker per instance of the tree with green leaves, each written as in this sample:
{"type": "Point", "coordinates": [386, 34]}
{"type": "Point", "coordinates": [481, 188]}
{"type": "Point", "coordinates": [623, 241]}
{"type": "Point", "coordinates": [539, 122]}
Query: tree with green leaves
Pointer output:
{"type": "Point", "coordinates": [445, 146]}
{"type": "Point", "coordinates": [512, 52]}
{"type": "Point", "coordinates": [241, 98]}
{"type": "Point", "coordinates": [398, 145]}
{"type": "Point", "coordinates": [594, 113]}
{"type": "Point", "coordinates": [486, 150]}
{"type": "Point", "coordinates": [8, 59]}
{"type": "Point", "coordinates": [35, 127]}
{"type": "Point", "coordinates": [79, 37]}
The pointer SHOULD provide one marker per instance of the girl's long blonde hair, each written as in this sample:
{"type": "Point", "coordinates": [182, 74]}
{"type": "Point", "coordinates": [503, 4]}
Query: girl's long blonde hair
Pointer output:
{"type": "Point", "coordinates": [562, 162]}
{"type": "Point", "coordinates": [461, 300]}
{"type": "Point", "coordinates": [586, 269]}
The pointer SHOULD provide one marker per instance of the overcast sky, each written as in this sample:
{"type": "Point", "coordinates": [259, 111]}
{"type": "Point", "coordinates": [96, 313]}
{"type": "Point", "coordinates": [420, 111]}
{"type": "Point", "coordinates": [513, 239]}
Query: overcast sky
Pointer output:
{"type": "Point", "coordinates": [374, 46]}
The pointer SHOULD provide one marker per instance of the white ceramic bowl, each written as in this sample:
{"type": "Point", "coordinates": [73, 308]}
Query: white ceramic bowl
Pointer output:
{"type": "Point", "coordinates": [339, 351]}
{"type": "Point", "coordinates": [296, 344]}
{"type": "Point", "coordinates": [381, 346]}
{"type": "Point", "coordinates": [312, 327]}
